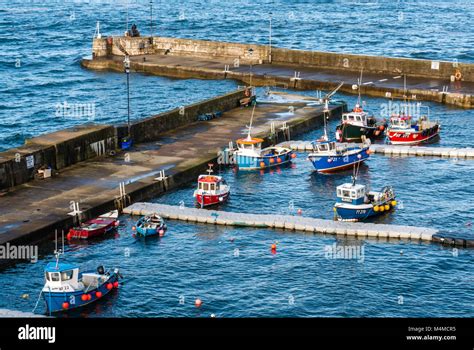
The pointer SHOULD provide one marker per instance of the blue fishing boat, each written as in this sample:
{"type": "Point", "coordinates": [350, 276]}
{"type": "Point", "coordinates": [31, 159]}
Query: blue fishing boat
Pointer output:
{"type": "Point", "coordinates": [329, 156]}
{"type": "Point", "coordinates": [67, 288]}
{"type": "Point", "coordinates": [150, 225]}
{"type": "Point", "coordinates": [249, 154]}
{"type": "Point", "coordinates": [355, 204]}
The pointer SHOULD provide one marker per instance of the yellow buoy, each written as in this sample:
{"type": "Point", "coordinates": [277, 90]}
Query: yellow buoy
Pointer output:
{"type": "Point", "coordinates": [376, 208]}
{"type": "Point", "coordinates": [381, 208]}
{"type": "Point", "coordinates": [393, 203]}
{"type": "Point", "coordinates": [387, 206]}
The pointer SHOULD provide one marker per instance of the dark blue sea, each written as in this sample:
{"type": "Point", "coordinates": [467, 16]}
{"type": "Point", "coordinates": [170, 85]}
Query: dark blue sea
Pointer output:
{"type": "Point", "coordinates": [232, 269]}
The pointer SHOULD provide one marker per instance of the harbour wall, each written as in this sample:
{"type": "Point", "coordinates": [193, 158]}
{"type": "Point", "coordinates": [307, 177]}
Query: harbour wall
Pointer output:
{"type": "Point", "coordinates": [104, 47]}
{"type": "Point", "coordinates": [63, 148]}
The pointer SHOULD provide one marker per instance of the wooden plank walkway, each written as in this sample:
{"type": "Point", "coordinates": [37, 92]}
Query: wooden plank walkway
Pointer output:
{"type": "Point", "coordinates": [447, 152]}
{"type": "Point", "coordinates": [286, 222]}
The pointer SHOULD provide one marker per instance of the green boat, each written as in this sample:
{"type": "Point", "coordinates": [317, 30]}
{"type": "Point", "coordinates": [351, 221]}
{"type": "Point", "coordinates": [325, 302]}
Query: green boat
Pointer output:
{"type": "Point", "coordinates": [358, 125]}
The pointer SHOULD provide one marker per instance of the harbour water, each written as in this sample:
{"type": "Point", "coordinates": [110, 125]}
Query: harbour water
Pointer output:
{"type": "Point", "coordinates": [232, 269]}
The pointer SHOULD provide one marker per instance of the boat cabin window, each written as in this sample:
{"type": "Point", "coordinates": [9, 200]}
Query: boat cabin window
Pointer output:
{"type": "Point", "coordinates": [205, 186]}
{"type": "Point", "coordinates": [358, 118]}
{"type": "Point", "coordinates": [351, 117]}
{"type": "Point", "coordinates": [212, 187]}
{"type": "Point", "coordinates": [66, 275]}
{"type": "Point", "coordinates": [52, 276]}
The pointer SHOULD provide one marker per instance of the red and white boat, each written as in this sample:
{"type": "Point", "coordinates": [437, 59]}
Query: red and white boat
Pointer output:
{"type": "Point", "coordinates": [403, 130]}
{"type": "Point", "coordinates": [95, 227]}
{"type": "Point", "coordinates": [212, 189]}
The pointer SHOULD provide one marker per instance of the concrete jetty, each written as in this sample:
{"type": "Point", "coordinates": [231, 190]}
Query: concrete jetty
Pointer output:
{"type": "Point", "coordinates": [261, 65]}
{"type": "Point", "coordinates": [88, 168]}
{"type": "Point", "coordinates": [7, 313]}
{"type": "Point", "coordinates": [286, 222]}
{"type": "Point", "coordinates": [389, 150]}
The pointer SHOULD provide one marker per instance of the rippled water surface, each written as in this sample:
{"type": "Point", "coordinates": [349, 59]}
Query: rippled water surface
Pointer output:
{"type": "Point", "coordinates": [232, 270]}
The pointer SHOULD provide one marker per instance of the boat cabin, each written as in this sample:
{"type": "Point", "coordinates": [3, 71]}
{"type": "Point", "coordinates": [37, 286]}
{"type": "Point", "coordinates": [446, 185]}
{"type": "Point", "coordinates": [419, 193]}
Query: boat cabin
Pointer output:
{"type": "Point", "coordinates": [400, 122]}
{"type": "Point", "coordinates": [324, 147]}
{"type": "Point", "coordinates": [249, 146]}
{"type": "Point", "coordinates": [356, 117]}
{"type": "Point", "coordinates": [209, 183]}
{"type": "Point", "coordinates": [60, 276]}
{"type": "Point", "coordinates": [349, 193]}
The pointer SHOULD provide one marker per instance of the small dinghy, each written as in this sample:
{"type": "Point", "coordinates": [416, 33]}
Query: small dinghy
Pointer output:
{"type": "Point", "coordinates": [150, 225]}
{"type": "Point", "coordinates": [212, 189]}
{"type": "Point", "coordinates": [67, 288]}
{"type": "Point", "coordinates": [95, 227]}
{"type": "Point", "coordinates": [354, 203]}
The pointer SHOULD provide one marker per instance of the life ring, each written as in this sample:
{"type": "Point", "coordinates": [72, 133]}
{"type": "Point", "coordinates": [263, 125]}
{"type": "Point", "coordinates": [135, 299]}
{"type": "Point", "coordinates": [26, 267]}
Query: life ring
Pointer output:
{"type": "Point", "coordinates": [458, 75]}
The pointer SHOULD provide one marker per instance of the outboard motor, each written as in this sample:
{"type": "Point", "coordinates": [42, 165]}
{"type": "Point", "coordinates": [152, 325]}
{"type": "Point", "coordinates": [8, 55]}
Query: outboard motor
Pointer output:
{"type": "Point", "coordinates": [101, 270]}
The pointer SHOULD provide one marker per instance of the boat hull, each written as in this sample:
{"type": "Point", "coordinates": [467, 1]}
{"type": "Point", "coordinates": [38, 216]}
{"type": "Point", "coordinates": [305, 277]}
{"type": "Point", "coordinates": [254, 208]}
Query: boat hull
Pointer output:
{"type": "Point", "coordinates": [207, 200]}
{"type": "Point", "coordinates": [331, 164]}
{"type": "Point", "coordinates": [79, 233]}
{"type": "Point", "coordinates": [263, 162]}
{"type": "Point", "coordinates": [353, 133]}
{"type": "Point", "coordinates": [360, 212]}
{"type": "Point", "coordinates": [54, 300]}
{"type": "Point", "coordinates": [412, 138]}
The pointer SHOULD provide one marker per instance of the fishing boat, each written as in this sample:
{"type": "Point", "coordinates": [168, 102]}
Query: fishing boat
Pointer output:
{"type": "Point", "coordinates": [67, 288]}
{"type": "Point", "coordinates": [95, 227]}
{"type": "Point", "coordinates": [354, 203]}
{"type": "Point", "coordinates": [358, 125]}
{"type": "Point", "coordinates": [328, 156]}
{"type": "Point", "coordinates": [403, 130]}
{"type": "Point", "coordinates": [212, 189]}
{"type": "Point", "coordinates": [150, 225]}
{"type": "Point", "coordinates": [249, 154]}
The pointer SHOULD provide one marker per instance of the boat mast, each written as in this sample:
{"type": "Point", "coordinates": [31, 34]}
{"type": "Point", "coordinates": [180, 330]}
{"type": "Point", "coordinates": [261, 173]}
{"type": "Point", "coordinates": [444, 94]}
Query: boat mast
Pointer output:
{"type": "Point", "coordinates": [249, 138]}
{"type": "Point", "coordinates": [360, 83]}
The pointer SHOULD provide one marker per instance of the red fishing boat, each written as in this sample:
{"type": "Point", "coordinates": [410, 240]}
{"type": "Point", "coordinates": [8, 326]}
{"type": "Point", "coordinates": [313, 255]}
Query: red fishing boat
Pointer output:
{"type": "Point", "coordinates": [403, 130]}
{"type": "Point", "coordinates": [95, 227]}
{"type": "Point", "coordinates": [212, 189]}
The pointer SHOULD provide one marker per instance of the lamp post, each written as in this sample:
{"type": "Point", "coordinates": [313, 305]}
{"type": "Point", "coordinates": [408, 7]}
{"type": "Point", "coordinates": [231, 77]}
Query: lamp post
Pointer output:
{"type": "Point", "coordinates": [250, 51]}
{"type": "Point", "coordinates": [126, 65]}
{"type": "Point", "coordinates": [151, 18]}
{"type": "Point", "coordinates": [270, 41]}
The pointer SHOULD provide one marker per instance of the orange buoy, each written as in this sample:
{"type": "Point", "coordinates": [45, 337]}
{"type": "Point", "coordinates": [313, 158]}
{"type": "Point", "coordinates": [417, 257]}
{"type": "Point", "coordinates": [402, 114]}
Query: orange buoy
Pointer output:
{"type": "Point", "coordinates": [69, 236]}
{"type": "Point", "coordinates": [116, 284]}
{"type": "Point", "coordinates": [293, 155]}
{"type": "Point", "coordinates": [368, 151]}
{"type": "Point", "coordinates": [300, 211]}
{"type": "Point", "coordinates": [84, 297]}
{"type": "Point", "coordinates": [262, 164]}
{"type": "Point", "coordinates": [198, 302]}
{"type": "Point", "coordinates": [161, 232]}
{"type": "Point", "coordinates": [274, 247]}
{"type": "Point", "coordinates": [278, 160]}
{"type": "Point", "coordinates": [98, 294]}
{"type": "Point", "coordinates": [65, 305]}
{"type": "Point", "coordinates": [89, 297]}
{"type": "Point", "coordinates": [381, 127]}
{"type": "Point", "coordinates": [134, 228]}
{"type": "Point", "coordinates": [109, 286]}
{"type": "Point", "coordinates": [272, 160]}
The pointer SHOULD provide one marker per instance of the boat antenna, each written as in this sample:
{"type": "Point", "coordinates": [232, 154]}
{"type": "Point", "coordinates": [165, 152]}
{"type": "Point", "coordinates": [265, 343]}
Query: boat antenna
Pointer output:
{"type": "Point", "coordinates": [360, 83]}
{"type": "Point", "coordinates": [326, 100]}
{"type": "Point", "coordinates": [355, 173]}
{"type": "Point", "coordinates": [210, 165]}
{"type": "Point", "coordinates": [58, 252]}
{"type": "Point", "coordinates": [249, 138]}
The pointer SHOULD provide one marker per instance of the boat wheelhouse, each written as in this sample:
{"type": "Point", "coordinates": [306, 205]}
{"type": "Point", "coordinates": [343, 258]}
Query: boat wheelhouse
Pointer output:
{"type": "Point", "coordinates": [357, 124]}
{"type": "Point", "coordinates": [212, 189]}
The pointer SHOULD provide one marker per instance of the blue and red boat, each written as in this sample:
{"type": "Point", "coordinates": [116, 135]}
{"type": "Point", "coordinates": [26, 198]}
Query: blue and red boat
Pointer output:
{"type": "Point", "coordinates": [67, 288]}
